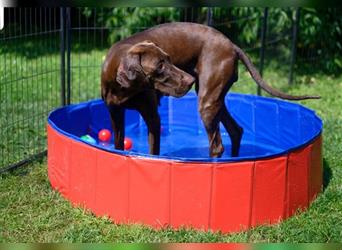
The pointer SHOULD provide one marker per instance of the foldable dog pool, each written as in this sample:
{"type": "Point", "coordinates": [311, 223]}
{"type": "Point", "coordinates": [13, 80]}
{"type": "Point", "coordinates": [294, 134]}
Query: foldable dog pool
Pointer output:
{"type": "Point", "coordinates": [279, 169]}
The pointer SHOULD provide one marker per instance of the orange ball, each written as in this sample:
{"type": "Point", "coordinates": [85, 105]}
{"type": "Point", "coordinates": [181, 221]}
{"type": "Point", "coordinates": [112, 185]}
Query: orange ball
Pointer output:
{"type": "Point", "coordinates": [128, 143]}
{"type": "Point", "coordinates": [104, 135]}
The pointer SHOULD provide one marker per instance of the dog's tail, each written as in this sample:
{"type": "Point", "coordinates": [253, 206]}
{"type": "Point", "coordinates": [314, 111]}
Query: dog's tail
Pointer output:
{"type": "Point", "coordinates": [258, 79]}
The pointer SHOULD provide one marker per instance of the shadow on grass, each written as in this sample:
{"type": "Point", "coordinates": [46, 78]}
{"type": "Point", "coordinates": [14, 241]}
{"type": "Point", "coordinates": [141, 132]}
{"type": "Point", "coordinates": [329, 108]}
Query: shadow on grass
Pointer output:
{"type": "Point", "coordinates": [24, 169]}
{"type": "Point", "coordinates": [327, 174]}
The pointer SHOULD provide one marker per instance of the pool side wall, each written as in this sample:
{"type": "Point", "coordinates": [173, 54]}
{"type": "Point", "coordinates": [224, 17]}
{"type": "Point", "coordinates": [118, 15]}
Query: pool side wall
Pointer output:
{"type": "Point", "coordinates": [226, 197]}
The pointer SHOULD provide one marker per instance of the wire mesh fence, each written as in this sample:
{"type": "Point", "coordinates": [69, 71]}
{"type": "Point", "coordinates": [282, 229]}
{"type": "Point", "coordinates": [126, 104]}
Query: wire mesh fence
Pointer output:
{"type": "Point", "coordinates": [29, 81]}
{"type": "Point", "coordinates": [53, 56]}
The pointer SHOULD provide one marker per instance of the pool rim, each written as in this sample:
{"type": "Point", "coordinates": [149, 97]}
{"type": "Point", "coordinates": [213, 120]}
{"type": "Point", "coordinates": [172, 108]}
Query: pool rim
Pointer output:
{"type": "Point", "coordinates": [194, 160]}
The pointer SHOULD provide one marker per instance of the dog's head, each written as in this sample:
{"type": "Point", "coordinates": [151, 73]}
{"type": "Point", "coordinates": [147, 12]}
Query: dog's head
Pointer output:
{"type": "Point", "coordinates": [147, 66]}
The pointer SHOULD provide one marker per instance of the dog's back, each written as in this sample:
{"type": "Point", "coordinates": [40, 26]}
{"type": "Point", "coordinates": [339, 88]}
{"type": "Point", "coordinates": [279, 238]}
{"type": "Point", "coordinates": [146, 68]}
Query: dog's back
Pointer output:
{"type": "Point", "coordinates": [183, 41]}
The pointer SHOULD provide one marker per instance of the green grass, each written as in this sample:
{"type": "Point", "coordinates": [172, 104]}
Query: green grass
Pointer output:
{"type": "Point", "coordinates": [32, 212]}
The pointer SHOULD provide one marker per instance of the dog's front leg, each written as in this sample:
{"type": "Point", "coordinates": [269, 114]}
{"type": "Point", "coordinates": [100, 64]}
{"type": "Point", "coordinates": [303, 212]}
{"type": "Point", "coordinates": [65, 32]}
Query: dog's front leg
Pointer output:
{"type": "Point", "coordinates": [148, 108]}
{"type": "Point", "coordinates": [152, 120]}
{"type": "Point", "coordinates": [117, 115]}
{"type": "Point", "coordinates": [153, 125]}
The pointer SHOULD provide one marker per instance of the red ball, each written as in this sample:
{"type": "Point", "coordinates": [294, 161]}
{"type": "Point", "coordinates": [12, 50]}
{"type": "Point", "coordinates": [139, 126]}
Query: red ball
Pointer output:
{"type": "Point", "coordinates": [104, 135]}
{"type": "Point", "coordinates": [128, 143]}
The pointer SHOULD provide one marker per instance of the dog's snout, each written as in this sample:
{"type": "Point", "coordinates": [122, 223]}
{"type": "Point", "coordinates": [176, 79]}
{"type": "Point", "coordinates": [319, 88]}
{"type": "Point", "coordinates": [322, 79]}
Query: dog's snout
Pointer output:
{"type": "Point", "coordinates": [188, 79]}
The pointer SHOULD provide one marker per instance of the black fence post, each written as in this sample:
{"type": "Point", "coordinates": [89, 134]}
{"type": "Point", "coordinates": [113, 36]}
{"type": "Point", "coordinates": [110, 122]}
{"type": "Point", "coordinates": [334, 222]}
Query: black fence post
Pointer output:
{"type": "Point", "coordinates": [182, 14]}
{"type": "Point", "coordinates": [187, 14]}
{"type": "Point", "coordinates": [68, 50]}
{"type": "Point", "coordinates": [209, 16]}
{"type": "Point", "coordinates": [62, 52]}
{"type": "Point", "coordinates": [263, 45]}
{"type": "Point", "coordinates": [295, 26]}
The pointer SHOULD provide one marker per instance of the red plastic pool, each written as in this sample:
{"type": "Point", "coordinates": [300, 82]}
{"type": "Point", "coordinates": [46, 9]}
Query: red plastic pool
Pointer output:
{"type": "Point", "coordinates": [279, 169]}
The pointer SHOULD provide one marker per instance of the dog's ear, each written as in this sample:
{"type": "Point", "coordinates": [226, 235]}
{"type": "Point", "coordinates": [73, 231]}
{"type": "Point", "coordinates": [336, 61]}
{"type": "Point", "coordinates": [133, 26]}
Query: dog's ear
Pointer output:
{"type": "Point", "coordinates": [130, 72]}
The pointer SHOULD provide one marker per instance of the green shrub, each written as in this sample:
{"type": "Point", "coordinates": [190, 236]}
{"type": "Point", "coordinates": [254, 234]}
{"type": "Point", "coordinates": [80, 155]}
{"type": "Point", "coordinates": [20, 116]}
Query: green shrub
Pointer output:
{"type": "Point", "coordinates": [319, 37]}
{"type": "Point", "coordinates": [130, 20]}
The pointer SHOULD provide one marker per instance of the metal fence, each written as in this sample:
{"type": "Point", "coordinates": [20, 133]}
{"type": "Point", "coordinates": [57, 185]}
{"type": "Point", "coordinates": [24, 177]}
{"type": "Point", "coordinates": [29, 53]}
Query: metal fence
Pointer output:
{"type": "Point", "coordinates": [52, 57]}
{"type": "Point", "coordinates": [29, 82]}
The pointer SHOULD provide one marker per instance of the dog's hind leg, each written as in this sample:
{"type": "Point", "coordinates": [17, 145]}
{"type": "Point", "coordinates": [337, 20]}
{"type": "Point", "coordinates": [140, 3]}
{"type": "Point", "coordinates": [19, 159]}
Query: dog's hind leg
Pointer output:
{"type": "Point", "coordinates": [217, 72]}
{"type": "Point", "coordinates": [209, 107]}
{"type": "Point", "coordinates": [211, 123]}
{"type": "Point", "coordinates": [232, 127]}
{"type": "Point", "coordinates": [234, 130]}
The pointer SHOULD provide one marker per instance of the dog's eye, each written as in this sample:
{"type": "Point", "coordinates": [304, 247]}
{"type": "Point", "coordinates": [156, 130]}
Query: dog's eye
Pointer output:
{"type": "Point", "coordinates": [160, 67]}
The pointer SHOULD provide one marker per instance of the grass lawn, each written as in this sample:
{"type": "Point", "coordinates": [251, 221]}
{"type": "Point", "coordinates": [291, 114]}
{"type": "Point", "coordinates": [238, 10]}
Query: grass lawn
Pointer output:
{"type": "Point", "coordinates": [32, 212]}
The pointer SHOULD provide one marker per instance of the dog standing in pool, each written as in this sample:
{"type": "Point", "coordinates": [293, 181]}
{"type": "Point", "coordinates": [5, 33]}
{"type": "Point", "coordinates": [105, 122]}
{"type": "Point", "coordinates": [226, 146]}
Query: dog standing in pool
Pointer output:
{"type": "Point", "coordinates": [167, 60]}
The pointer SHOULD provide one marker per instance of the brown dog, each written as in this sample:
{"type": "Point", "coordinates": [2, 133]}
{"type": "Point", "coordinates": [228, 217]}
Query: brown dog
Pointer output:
{"type": "Point", "coordinates": [168, 59]}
